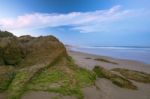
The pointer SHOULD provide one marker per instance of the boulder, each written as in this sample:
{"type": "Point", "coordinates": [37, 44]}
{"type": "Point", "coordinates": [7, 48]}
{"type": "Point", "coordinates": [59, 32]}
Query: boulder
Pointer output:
{"type": "Point", "coordinates": [10, 51]}
{"type": "Point", "coordinates": [28, 50]}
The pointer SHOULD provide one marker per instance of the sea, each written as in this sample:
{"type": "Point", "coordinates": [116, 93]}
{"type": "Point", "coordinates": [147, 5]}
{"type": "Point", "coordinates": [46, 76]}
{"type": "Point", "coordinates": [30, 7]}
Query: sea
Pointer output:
{"type": "Point", "coordinates": [141, 54]}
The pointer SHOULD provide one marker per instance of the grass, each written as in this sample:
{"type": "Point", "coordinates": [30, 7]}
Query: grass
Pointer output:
{"type": "Point", "coordinates": [84, 77]}
{"type": "Point", "coordinates": [66, 80]}
{"type": "Point", "coordinates": [16, 88]}
{"type": "Point", "coordinates": [116, 79]}
{"type": "Point", "coordinates": [21, 79]}
{"type": "Point", "coordinates": [63, 77]}
{"type": "Point", "coordinates": [24, 76]}
{"type": "Point", "coordinates": [6, 76]}
{"type": "Point", "coordinates": [5, 81]}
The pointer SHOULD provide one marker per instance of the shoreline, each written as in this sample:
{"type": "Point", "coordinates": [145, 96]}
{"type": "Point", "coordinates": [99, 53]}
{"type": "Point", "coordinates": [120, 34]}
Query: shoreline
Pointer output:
{"type": "Point", "coordinates": [134, 54]}
{"type": "Point", "coordinates": [81, 58]}
{"type": "Point", "coordinates": [107, 89]}
{"type": "Point", "coordinates": [92, 54]}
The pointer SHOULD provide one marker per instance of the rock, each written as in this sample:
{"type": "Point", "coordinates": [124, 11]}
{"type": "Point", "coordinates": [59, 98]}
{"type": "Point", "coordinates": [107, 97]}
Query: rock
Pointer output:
{"type": "Point", "coordinates": [105, 60]}
{"type": "Point", "coordinates": [29, 56]}
{"type": "Point", "coordinates": [134, 75]}
{"type": "Point", "coordinates": [28, 51]}
{"type": "Point", "coordinates": [116, 79]}
{"type": "Point", "coordinates": [10, 53]}
{"type": "Point", "coordinates": [40, 50]}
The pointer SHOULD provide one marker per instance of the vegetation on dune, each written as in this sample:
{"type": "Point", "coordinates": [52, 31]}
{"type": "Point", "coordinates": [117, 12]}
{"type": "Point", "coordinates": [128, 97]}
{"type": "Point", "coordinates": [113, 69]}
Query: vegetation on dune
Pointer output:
{"type": "Point", "coordinates": [134, 75]}
{"type": "Point", "coordinates": [6, 76]}
{"type": "Point", "coordinates": [24, 76]}
{"type": "Point", "coordinates": [5, 34]}
{"type": "Point", "coordinates": [116, 79]}
{"type": "Point", "coordinates": [66, 80]}
{"type": "Point", "coordinates": [61, 76]}
{"type": "Point", "coordinates": [105, 60]}
{"type": "Point", "coordinates": [17, 87]}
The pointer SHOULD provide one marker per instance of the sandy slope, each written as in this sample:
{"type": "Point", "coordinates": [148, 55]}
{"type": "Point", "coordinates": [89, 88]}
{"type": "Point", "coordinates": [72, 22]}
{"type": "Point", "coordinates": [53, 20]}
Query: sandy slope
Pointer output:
{"type": "Point", "coordinates": [105, 89]}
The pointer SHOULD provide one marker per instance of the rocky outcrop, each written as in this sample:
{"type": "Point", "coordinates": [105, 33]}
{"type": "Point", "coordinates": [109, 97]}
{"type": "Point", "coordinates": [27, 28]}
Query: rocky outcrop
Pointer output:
{"type": "Point", "coordinates": [39, 63]}
{"type": "Point", "coordinates": [134, 75]}
{"type": "Point", "coordinates": [28, 51]}
{"type": "Point", "coordinates": [28, 56]}
{"type": "Point", "coordinates": [10, 49]}
{"type": "Point", "coordinates": [115, 78]}
{"type": "Point", "coordinates": [40, 50]}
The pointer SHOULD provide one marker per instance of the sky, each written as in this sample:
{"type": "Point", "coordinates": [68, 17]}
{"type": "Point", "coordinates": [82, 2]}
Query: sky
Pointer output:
{"type": "Point", "coordinates": [80, 22]}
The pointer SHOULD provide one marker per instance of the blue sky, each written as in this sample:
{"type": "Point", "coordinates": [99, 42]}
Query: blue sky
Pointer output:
{"type": "Point", "coordinates": [80, 22]}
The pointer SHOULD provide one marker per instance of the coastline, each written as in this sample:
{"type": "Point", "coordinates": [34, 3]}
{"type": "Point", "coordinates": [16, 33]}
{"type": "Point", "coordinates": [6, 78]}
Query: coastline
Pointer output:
{"type": "Point", "coordinates": [81, 59]}
{"type": "Point", "coordinates": [125, 53]}
{"type": "Point", "coordinates": [107, 89]}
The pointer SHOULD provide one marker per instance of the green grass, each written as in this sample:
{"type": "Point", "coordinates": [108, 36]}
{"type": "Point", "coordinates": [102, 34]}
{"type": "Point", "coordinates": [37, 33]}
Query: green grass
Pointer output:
{"type": "Point", "coordinates": [16, 88]}
{"type": "Point", "coordinates": [98, 71]}
{"type": "Point", "coordinates": [6, 76]}
{"type": "Point", "coordinates": [5, 81]}
{"type": "Point", "coordinates": [66, 80]}
{"type": "Point", "coordinates": [84, 77]}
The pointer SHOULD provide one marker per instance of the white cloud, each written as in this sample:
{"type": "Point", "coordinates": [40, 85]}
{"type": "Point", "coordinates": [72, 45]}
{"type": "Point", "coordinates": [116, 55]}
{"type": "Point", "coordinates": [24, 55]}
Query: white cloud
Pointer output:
{"type": "Point", "coordinates": [83, 21]}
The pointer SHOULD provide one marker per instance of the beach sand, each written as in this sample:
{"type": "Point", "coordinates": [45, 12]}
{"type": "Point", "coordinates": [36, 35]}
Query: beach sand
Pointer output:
{"type": "Point", "coordinates": [104, 89]}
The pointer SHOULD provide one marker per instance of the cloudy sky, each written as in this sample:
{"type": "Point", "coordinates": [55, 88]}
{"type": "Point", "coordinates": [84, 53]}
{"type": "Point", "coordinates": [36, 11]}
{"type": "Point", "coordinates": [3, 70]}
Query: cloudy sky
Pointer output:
{"type": "Point", "coordinates": [80, 22]}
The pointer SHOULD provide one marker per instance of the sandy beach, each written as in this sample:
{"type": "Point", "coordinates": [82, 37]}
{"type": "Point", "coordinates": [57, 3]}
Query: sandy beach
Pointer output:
{"type": "Point", "coordinates": [103, 88]}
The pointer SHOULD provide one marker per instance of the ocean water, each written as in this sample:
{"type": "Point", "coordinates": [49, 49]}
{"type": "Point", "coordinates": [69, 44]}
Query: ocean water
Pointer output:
{"type": "Point", "coordinates": [130, 53]}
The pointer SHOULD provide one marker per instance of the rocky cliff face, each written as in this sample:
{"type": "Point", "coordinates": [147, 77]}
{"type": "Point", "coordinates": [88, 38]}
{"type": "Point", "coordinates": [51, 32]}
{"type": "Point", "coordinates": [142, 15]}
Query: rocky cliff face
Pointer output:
{"type": "Point", "coordinates": [10, 50]}
{"type": "Point", "coordinates": [26, 56]}
{"type": "Point", "coordinates": [39, 63]}
{"type": "Point", "coordinates": [28, 51]}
